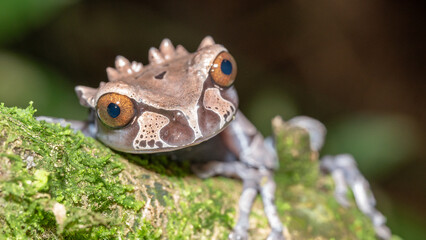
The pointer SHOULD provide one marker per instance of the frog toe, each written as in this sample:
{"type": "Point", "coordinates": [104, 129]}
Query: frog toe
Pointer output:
{"type": "Point", "coordinates": [238, 234]}
{"type": "Point", "coordinates": [275, 235]}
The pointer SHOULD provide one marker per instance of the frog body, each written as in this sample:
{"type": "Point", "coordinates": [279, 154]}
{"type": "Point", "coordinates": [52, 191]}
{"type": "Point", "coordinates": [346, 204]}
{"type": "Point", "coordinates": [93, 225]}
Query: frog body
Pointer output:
{"type": "Point", "coordinates": [185, 105]}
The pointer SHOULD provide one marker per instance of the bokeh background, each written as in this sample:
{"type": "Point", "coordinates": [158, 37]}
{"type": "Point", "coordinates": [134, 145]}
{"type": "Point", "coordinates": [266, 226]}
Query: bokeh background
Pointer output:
{"type": "Point", "coordinates": [358, 66]}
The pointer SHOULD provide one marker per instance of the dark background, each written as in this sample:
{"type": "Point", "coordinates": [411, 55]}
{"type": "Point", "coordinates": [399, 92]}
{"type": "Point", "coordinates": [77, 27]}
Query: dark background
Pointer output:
{"type": "Point", "coordinates": [358, 66]}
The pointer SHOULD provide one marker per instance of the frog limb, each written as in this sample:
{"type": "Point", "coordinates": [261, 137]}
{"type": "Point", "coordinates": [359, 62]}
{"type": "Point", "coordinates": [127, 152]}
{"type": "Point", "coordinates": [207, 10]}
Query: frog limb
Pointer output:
{"type": "Point", "coordinates": [255, 181]}
{"type": "Point", "coordinates": [86, 127]}
{"type": "Point", "coordinates": [315, 128]}
{"type": "Point", "coordinates": [260, 160]}
{"type": "Point", "coordinates": [345, 173]}
{"type": "Point", "coordinates": [245, 204]}
{"type": "Point", "coordinates": [253, 161]}
{"type": "Point", "coordinates": [340, 193]}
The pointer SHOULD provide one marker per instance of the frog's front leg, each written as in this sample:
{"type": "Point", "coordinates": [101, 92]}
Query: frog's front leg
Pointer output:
{"type": "Point", "coordinates": [253, 162]}
{"type": "Point", "coordinates": [88, 127]}
{"type": "Point", "coordinates": [255, 181]}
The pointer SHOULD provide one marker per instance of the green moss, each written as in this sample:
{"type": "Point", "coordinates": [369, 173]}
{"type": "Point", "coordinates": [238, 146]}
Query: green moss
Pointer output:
{"type": "Point", "coordinates": [298, 164]}
{"type": "Point", "coordinates": [200, 214]}
{"type": "Point", "coordinates": [43, 164]}
{"type": "Point", "coordinates": [104, 195]}
{"type": "Point", "coordinates": [46, 170]}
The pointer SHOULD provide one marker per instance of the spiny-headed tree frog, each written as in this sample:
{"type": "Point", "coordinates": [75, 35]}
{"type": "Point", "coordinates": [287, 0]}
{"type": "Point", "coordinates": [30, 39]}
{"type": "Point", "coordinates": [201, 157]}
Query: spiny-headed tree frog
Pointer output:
{"type": "Point", "coordinates": [186, 103]}
{"type": "Point", "coordinates": [181, 100]}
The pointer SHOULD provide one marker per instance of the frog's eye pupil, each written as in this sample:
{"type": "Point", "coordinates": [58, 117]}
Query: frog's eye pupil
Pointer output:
{"type": "Point", "coordinates": [113, 110]}
{"type": "Point", "coordinates": [226, 67]}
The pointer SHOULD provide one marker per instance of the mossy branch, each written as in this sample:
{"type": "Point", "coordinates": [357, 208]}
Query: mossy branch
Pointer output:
{"type": "Point", "coordinates": [55, 183]}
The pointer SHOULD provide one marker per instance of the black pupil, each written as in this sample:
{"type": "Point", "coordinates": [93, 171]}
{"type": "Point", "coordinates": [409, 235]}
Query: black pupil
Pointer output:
{"type": "Point", "coordinates": [113, 110]}
{"type": "Point", "coordinates": [226, 67]}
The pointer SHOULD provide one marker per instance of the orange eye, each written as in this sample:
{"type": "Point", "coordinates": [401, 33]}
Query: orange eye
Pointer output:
{"type": "Point", "coordinates": [224, 69]}
{"type": "Point", "coordinates": [115, 110]}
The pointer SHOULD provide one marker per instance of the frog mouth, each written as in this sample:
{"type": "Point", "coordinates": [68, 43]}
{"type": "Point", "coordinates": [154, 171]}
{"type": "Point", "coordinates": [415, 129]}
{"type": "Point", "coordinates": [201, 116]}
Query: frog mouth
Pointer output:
{"type": "Point", "coordinates": [159, 145]}
{"type": "Point", "coordinates": [170, 131]}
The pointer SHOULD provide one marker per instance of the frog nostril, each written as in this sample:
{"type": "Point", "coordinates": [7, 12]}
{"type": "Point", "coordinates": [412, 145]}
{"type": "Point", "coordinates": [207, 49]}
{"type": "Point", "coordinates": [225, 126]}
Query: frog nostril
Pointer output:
{"type": "Point", "coordinates": [161, 75]}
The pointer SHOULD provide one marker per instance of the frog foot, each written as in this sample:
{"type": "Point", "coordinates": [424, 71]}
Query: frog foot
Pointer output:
{"type": "Point", "coordinates": [275, 235]}
{"type": "Point", "coordinates": [242, 235]}
{"type": "Point", "coordinates": [238, 234]}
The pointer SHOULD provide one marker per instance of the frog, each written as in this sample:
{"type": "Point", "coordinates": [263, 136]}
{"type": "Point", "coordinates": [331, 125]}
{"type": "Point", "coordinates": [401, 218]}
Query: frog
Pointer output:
{"type": "Point", "coordinates": [185, 105]}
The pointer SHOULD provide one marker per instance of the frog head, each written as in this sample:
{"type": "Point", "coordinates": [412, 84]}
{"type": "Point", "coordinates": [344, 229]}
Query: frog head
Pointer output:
{"type": "Point", "coordinates": [179, 99]}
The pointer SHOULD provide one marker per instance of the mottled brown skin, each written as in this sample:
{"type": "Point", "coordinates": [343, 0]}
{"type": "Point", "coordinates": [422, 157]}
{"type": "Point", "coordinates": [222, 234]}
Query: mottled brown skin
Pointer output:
{"type": "Point", "coordinates": [180, 101]}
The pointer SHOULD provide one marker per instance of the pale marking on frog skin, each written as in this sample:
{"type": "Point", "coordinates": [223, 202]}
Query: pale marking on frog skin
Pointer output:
{"type": "Point", "coordinates": [148, 137]}
{"type": "Point", "coordinates": [213, 101]}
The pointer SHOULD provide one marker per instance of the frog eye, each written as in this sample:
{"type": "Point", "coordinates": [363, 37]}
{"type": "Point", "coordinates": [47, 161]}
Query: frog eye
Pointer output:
{"type": "Point", "coordinates": [224, 69]}
{"type": "Point", "coordinates": [115, 110]}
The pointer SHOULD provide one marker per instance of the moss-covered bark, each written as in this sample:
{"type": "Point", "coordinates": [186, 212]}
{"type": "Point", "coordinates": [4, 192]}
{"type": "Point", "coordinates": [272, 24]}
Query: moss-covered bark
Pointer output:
{"type": "Point", "coordinates": [55, 183]}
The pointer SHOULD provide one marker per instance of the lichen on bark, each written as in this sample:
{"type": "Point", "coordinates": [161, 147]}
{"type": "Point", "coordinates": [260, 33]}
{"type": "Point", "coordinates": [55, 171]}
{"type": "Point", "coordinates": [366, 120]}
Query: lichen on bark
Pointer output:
{"type": "Point", "coordinates": [55, 183]}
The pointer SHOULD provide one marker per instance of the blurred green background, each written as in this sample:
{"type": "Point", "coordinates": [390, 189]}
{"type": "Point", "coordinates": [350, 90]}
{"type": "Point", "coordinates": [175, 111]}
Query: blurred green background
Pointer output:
{"type": "Point", "coordinates": [358, 66]}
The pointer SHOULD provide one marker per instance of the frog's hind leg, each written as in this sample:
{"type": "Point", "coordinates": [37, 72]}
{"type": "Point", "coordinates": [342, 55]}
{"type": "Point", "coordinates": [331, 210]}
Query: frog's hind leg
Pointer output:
{"type": "Point", "coordinates": [345, 174]}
